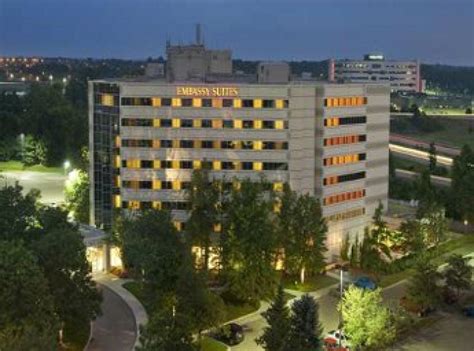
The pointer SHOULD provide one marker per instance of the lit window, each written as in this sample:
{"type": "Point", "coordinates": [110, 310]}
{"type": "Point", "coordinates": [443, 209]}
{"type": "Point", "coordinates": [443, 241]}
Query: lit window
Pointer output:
{"type": "Point", "coordinates": [117, 201]}
{"type": "Point", "coordinates": [156, 102]}
{"type": "Point", "coordinates": [156, 184]}
{"type": "Point", "coordinates": [156, 164]}
{"type": "Point", "coordinates": [237, 103]}
{"type": "Point", "coordinates": [257, 166]}
{"type": "Point", "coordinates": [217, 123]}
{"type": "Point", "coordinates": [156, 123]}
{"type": "Point", "coordinates": [278, 186]}
{"type": "Point", "coordinates": [117, 161]}
{"type": "Point", "coordinates": [216, 165]}
{"type": "Point", "coordinates": [176, 102]}
{"type": "Point", "coordinates": [279, 124]}
{"type": "Point", "coordinates": [279, 104]}
{"type": "Point", "coordinates": [197, 123]}
{"type": "Point", "coordinates": [107, 100]}
{"type": "Point", "coordinates": [197, 102]}
{"type": "Point", "coordinates": [176, 184]}
{"type": "Point", "coordinates": [196, 164]}
{"type": "Point", "coordinates": [238, 124]}
{"type": "Point", "coordinates": [156, 205]}
{"type": "Point", "coordinates": [257, 145]}
{"type": "Point", "coordinates": [176, 123]}
{"type": "Point", "coordinates": [216, 103]}
{"type": "Point", "coordinates": [217, 228]}
{"type": "Point", "coordinates": [258, 124]}
{"type": "Point", "coordinates": [257, 103]}
{"type": "Point", "coordinates": [175, 164]}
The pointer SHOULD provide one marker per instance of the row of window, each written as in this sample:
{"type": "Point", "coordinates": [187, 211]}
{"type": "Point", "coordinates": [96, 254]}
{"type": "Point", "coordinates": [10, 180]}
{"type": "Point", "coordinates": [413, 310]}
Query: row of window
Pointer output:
{"type": "Point", "coordinates": [331, 180]}
{"type": "Point", "coordinates": [343, 197]}
{"type": "Point", "coordinates": [341, 121]}
{"type": "Point", "coordinates": [206, 144]}
{"type": "Point", "coordinates": [346, 215]}
{"type": "Point", "coordinates": [157, 184]}
{"type": "Point", "coordinates": [203, 102]}
{"type": "Point", "coordinates": [343, 159]}
{"type": "Point", "coordinates": [345, 101]}
{"type": "Point", "coordinates": [198, 164]}
{"type": "Point", "coordinates": [204, 123]}
{"type": "Point", "coordinates": [345, 139]}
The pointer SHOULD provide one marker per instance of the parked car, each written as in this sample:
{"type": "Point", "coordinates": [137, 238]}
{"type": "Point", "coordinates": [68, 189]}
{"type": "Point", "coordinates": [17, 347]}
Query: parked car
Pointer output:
{"type": "Point", "coordinates": [413, 307]}
{"type": "Point", "coordinates": [230, 334]}
{"type": "Point", "coordinates": [365, 283]}
{"type": "Point", "coordinates": [336, 337]}
{"type": "Point", "coordinates": [468, 311]}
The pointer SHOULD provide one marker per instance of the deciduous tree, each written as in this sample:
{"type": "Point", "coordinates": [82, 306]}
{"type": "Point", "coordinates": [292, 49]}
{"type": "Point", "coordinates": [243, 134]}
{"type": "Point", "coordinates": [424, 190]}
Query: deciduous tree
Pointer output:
{"type": "Point", "coordinates": [423, 289]}
{"type": "Point", "coordinates": [458, 274]}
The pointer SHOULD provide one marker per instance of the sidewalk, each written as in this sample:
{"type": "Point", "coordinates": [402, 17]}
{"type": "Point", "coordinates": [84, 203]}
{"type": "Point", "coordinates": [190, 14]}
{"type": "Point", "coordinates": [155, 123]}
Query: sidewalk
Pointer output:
{"type": "Point", "coordinates": [115, 284]}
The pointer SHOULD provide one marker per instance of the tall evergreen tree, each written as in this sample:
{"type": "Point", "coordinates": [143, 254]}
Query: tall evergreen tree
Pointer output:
{"type": "Point", "coordinates": [423, 289]}
{"type": "Point", "coordinates": [462, 186]}
{"type": "Point", "coordinates": [305, 331]}
{"type": "Point", "coordinates": [432, 157]}
{"type": "Point", "coordinates": [203, 196]}
{"type": "Point", "coordinates": [458, 274]}
{"type": "Point", "coordinates": [274, 336]}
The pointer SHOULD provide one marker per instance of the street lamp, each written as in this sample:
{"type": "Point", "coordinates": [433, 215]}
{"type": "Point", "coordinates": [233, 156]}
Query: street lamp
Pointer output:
{"type": "Point", "coordinates": [66, 166]}
{"type": "Point", "coordinates": [342, 268]}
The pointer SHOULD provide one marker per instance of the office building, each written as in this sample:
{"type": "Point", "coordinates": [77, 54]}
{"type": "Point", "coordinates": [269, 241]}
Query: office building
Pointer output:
{"type": "Point", "coordinates": [374, 68]}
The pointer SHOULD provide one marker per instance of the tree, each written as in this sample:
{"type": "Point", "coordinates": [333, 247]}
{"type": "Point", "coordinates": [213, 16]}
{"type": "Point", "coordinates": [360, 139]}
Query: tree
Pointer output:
{"type": "Point", "coordinates": [203, 308]}
{"type": "Point", "coordinates": [203, 196]}
{"type": "Point", "coordinates": [458, 274]}
{"type": "Point", "coordinates": [423, 289]}
{"type": "Point", "coordinates": [305, 332]}
{"type": "Point", "coordinates": [354, 258]}
{"type": "Point", "coordinates": [434, 223]}
{"type": "Point", "coordinates": [248, 243]}
{"type": "Point", "coordinates": [33, 151]}
{"type": "Point", "coordinates": [462, 185]}
{"type": "Point", "coordinates": [62, 255]}
{"type": "Point", "coordinates": [278, 319]}
{"type": "Point", "coordinates": [77, 195]}
{"type": "Point", "coordinates": [152, 250]}
{"type": "Point", "coordinates": [426, 194]}
{"type": "Point", "coordinates": [413, 236]}
{"type": "Point", "coordinates": [167, 329]}
{"type": "Point", "coordinates": [27, 319]}
{"type": "Point", "coordinates": [366, 320]}
{"type": "Point", "coordinates": [345, 248]}
{"type": "Point", "coordinates": [17, 212]}
{"type": "Point", "coordinates": [432, 158]}
{"type": "Point", "coordinates": [304, 232]}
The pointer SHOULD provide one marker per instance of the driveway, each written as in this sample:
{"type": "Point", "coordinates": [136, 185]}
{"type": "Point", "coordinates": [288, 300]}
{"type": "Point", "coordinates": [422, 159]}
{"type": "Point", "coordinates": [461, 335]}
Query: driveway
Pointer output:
{"type": "Point", "coordinates": [51, 185]}
{"type": "Point", "coordinates": [115, 330]}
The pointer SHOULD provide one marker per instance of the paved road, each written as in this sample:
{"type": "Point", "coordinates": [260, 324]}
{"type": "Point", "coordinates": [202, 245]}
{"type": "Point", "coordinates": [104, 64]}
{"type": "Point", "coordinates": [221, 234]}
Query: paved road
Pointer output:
{"type": "Point", "coordinates": [51, 185]}
{"type": "Point", "coordinates": [115, 330]}
{"type": "Point", "coordinates": [418, 155]}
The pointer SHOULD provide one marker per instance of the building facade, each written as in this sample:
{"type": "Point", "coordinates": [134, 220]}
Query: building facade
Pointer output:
{"type": "Point", "coordinates": [374, 68]}
{"type": "Point", "coordinates": [328, 140]}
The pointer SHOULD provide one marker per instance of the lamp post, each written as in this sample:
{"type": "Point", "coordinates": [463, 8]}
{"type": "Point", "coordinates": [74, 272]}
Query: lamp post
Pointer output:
{"type": "Point", "coordinates": [66, 166]}
{"type": "Point", "coordinates": [342, 268]}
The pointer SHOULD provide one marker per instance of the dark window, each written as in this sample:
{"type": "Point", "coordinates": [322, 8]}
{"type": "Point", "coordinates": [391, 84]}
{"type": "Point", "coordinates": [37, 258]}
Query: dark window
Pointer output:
{"type": "Point", "coordinates": [186, 102]}
{"type": "Point", "coordinates": [186, 123]}
{"type": "Point", "coordinates": [166, 123]}
{"type": "Point", "coordinates": [227, 165]}
{"type": "Point", "coordinates": [146, 205]}
{"type": "Point", "coordinates": [207, 144]}
{"type": "Point", "coordinates": [166, 143]}
{"type": "Point", "coordinates": [248, 166]}
{"type": "Point", "coordinates": [352, 120]}
{"type": "Point", "coordinates": [228, 123]}
{"type": "Point", "coordinates": [124, 163]}
{"type": "Point", "coordinates": [186, 185]}
{"type": "Point", "coordinates": [186, 164]}
{"type": "Point", "coordinates": [137, 122]}
{"type": "Point", "coordinates": [166, 102]}
{"type": "Point", "coordinates": [206, 164]}
{"type": "Point", "coordinates": [146, 164]}
{"type": "Point", "coordinates": [275, 166]}
{"type": "Point", "coordinates": [247, 145]}
{"type": "Point", "coordinates": [362, 157]}
{"type": "Point", "coordinates": [186, 144]}
{"type": "Point", "coordinates": [227, 102]}
{"type": "Point", "coordinates": [268, 104]}
{"type": "Point", "coordinates": [247, 103]}
{"type": "Point", "coordinates": [247, 124]}
{"type": "Point", "coordinates": [124, 204]}
{"type": "Point", "coordinates": [145, 184]}
{"type": "Point", "coordinates": [362, 137]}
{"type": "Point", "coordinates": [166, 164]}
{"type": "Point", "coordinates": [206, 102]}
{"type": "Point", "coordinates": [227, 144]}
{"type": "Point", "coordinates": [166, 185]}
{"type": "Point", "coordinates": [206, 123]}
{"type": "Point", "coordinates": [268, 145]}
{"type": "Point", "coordinates": [268, 124]}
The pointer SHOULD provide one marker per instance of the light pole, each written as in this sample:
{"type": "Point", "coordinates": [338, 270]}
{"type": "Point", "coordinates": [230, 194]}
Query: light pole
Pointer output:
{"type": "Point", "coordinates": [342, 268]}
{"type": "Point", "coordinates": [66, 166]}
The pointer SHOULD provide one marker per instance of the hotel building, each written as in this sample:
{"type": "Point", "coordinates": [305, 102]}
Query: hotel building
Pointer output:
{"type": "Point", "coordinates": [374, 68]}
{"type": "Point", "coordinates": [329, 140]}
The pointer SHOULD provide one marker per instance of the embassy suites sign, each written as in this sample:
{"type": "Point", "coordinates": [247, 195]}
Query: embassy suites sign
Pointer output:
{"type": "Point", "coordinates": [207, 91]}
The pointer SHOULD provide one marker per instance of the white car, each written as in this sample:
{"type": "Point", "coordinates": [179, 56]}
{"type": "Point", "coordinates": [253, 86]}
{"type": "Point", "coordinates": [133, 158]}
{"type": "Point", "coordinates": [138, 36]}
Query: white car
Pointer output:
{"type": "Point", "coordinates": [335, 337]}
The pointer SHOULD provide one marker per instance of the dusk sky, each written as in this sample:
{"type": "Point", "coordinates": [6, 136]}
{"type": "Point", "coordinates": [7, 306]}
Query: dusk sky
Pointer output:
{"type": "Point", "coordinates": [435, 31]}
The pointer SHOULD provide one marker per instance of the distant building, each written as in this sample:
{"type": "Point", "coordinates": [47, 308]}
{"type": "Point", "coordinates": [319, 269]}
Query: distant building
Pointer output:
{"type": "Point", "coordinates": [374, 68]}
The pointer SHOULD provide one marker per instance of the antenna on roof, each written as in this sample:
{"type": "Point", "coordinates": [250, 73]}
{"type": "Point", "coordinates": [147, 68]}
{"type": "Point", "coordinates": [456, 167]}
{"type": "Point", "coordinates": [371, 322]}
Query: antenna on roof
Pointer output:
{"type": "Point", "coordinates": [198, 34]}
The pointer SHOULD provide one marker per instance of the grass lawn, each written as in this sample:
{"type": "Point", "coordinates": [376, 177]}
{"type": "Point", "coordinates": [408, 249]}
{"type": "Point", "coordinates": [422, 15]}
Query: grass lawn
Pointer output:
{"type": "Point", "coordinates": [455, 133]}
{"type": "Point", "coordinates": [18, 166]}
{"type": "Point", "coordinates": [76, 337]}
{"type": "Point", "coordinates": [210, 344]}
{"type": "Point", "coordinates": [458, 244]}
{"type": "Point", "coordinates": [311, 284]}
